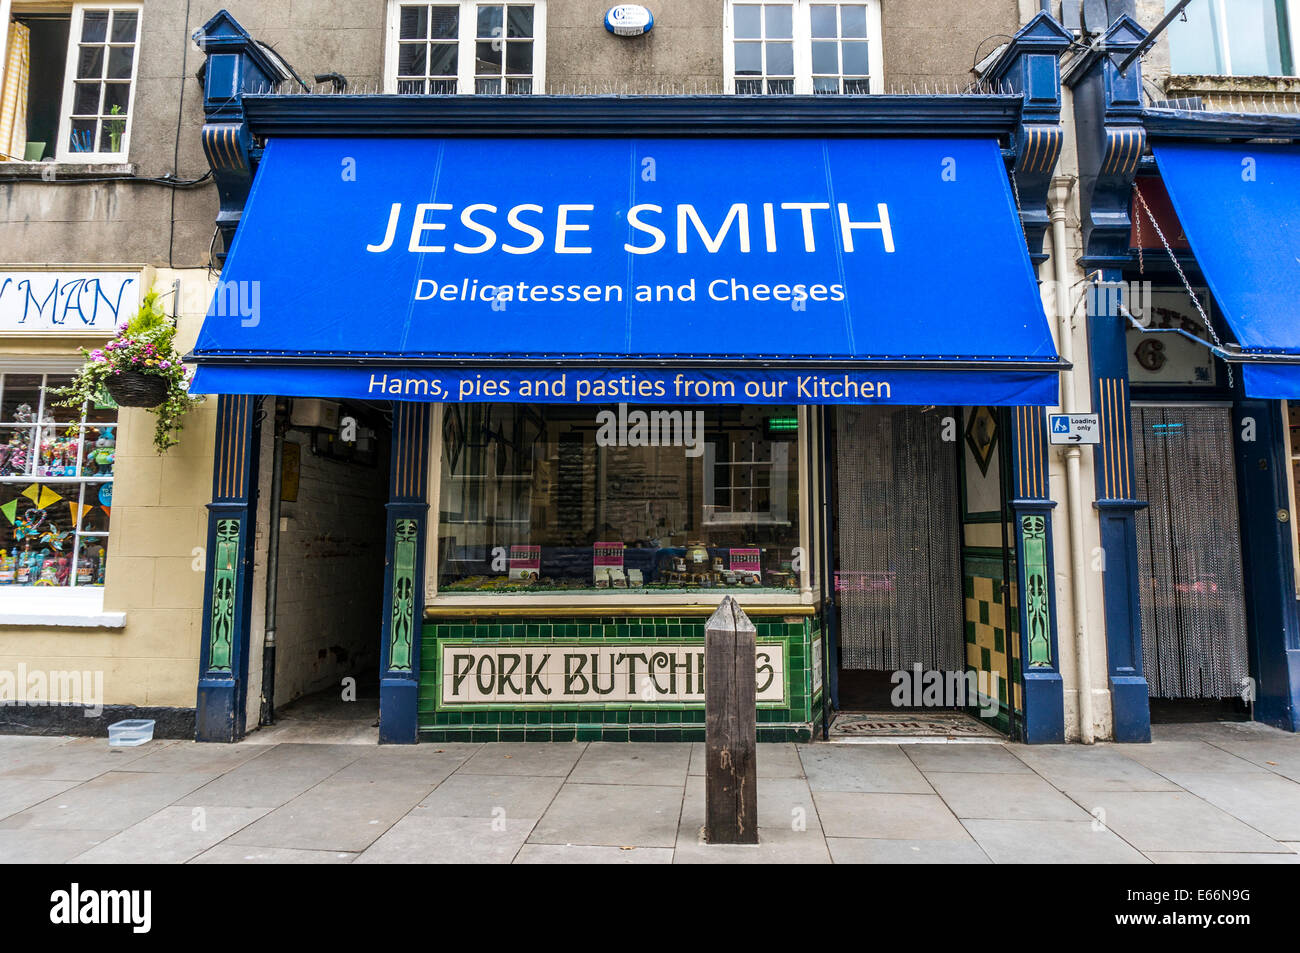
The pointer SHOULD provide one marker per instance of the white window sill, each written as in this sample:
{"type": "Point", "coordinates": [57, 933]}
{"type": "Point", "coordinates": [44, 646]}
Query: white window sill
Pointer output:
{"type": "Point", "coordinates": [57, 607]}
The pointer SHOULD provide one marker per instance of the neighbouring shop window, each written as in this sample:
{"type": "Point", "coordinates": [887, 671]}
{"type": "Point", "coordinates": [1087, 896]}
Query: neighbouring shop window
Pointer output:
{"type": "Point", "coordinates": [1234, 37]}
{"type": "Point", "coordinates": [56, 485]}
{"type": "Point", "coordinates": [68, 82]}
{"type": "Point", "coordinates": [466, 47]}
{"type": "Point", "coordinates": [538, 498]}
{"type": "Point", "coordinates": [802, 47]}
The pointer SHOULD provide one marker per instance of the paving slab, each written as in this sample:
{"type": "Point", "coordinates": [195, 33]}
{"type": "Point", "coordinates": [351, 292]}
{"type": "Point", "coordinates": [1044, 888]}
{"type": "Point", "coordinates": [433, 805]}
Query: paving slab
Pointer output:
{"type": "Point", "coordinates": [640, 763]}
{"type": "Point", "coordinates": [1164, 821]}
{"type": "Point", "coordinates": [113, 802]}
{"type": "Point", "coordinates": [1099, 767]}
{"type": "Point", "coordinates": [775, 760]}
{"type": "Point", "coordinates": [1267, 802]}
{"type": "Point", "coordinates": [38, 846]}
{"type": "Point", "coordinates": [171, 836]}
{"type": "Point", "coordinates": [276, 777]}
{"type": "Point", "coordinates": [18, 794]}
{"type": "Point", "coordinates": [1004, 796]}
{"type": "Point", "coordinates": [862, 769]}
{"type": "Point", "coordinates": [1195, 756]}
{"type": "Point", "coordinates": [1051, 842]}
{"type": "Point", "coordinates": [448, 840]}
{"type": "Point", "coordinates": [1281, 758]}
{"type": "Point", "coordinates": [776, 845]}
{"type": "Point", "coordinates": [875, 850]}
{"type": "Point", "coordinates": [491, 795]}
{"type": "Point", "coordinates": [615, 815]}
{"type": "Point", "coordinates": [77, 760]}
{"type": "Point", "coordinates": [783, 804]}
{"type": "Point", "coordinates": [337, 814]}
{"type": "Point", "coordinates": [559, 854]}
{"type": "Point", "coordinates": [980, 759]}
{"type": "Point", "coordinates": [889, 816]}
{"type": "Point", "coordinates": [533, 760]}
{"type": "Point", "coordinates": [239, 854]}
{"type": "Point", "coordinates": [183, 757]}
{"type": "Point", "coordinates": [417, 764]}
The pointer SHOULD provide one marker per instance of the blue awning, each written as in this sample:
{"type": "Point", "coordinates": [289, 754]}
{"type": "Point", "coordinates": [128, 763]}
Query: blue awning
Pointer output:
{"type": "Point", "coordinates": [652, 270]}
{"type": "Point", "coordinates": [1239, 206]}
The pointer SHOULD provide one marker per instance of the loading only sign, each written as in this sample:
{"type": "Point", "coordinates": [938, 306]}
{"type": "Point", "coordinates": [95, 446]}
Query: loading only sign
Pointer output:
{"type": "Point", "coordinates": [1074, 428]}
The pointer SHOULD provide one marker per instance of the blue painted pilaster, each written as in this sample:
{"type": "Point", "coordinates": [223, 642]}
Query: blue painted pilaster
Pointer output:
{"type": "Point", "coordinates": [1117, 511]}
{"type": "Point", "coordinates": [1031, 507]}
{"type": "Point", "coordinates": [1267, 563]}
{"type": "Point", "coordinates": [408, 510]}
{"type": "Point", "coordinates": [228, 579]}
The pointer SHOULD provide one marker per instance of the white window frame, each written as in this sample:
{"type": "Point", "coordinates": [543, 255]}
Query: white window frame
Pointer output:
{"type": "Point", "coordinates": [75, 12]}
{"type": "Point", "coordinates": [1221, 18]}
{"type": "Point", "coordinates": [467, 36]}
{"type": "Point", "coordinates": [46, 368]}
{"type": "Point", "coordinates": [62, 151]}
{"type": "Point", "coordinates": [802, 30]}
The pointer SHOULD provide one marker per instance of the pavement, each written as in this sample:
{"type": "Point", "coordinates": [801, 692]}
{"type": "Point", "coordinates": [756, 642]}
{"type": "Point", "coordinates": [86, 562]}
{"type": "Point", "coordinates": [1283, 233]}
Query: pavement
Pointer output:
{"type": "Point", "coordinates": [1198, 794]}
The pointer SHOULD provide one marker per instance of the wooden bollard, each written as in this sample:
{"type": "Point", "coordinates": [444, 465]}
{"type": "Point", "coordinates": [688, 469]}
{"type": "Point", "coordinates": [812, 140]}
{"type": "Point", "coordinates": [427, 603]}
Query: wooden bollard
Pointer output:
{"type": "Point", "coordinates": [730, 737]}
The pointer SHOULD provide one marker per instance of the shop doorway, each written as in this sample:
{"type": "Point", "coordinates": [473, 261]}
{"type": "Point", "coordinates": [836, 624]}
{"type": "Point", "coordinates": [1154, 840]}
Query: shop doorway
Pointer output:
{"type": "Point", "coordinates": [898, 569]}
{"type": "Point", "coordinates": [329, 605]}
{"type": "Point", "coordinates": [1189, 546]}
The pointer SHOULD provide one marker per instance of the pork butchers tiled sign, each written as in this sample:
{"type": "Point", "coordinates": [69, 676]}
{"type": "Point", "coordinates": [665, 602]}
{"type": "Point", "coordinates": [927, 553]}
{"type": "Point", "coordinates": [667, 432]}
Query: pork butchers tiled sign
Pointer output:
{"type": "Point", "coordinates": [474, 673]}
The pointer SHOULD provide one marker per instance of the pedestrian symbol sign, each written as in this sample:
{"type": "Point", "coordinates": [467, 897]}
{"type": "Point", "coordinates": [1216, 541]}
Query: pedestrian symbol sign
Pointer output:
{"type": "Point", "coordinates": [1074, 428]}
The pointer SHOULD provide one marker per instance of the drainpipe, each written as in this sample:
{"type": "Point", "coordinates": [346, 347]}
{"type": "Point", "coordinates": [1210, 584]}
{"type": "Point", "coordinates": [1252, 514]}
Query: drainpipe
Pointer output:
{"type": "Point", "coordinates": [1061, 188]}
{"type": "Point", "coordinates": [267, 715]}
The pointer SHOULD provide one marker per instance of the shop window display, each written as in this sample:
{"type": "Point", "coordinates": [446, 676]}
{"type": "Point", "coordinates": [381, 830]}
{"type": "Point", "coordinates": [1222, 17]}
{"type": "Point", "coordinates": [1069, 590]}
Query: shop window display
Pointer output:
{"type": "Point", "coordinates": [538, 498]}
{"type": "Point", "coordinates": [56, 485]}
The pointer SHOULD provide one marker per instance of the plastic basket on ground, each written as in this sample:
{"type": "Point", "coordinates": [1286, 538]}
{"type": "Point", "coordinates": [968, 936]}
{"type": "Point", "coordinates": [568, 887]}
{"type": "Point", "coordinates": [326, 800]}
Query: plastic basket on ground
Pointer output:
{"type": "Point", "coordinates": [129, 733]}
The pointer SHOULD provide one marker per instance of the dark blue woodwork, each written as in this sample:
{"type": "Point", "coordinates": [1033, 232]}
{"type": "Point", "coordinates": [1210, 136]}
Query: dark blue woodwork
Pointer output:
{"type": "Point", "coordinates": [1116, 510]}
{"type": "Point", "coordinates": [1029, 66]}
{"type": "Point", "coordinates": [223, 688]}
{"type": "Point", "coordinates": [236, 65]}
{"type": "Point", "coordinates": [1267, 565]}
{"type": "Point", "coordinates": [407, 517]}
{"type": "Point", "coordinates": [1044, 690]}
{"type": "Point", "coordinates": [1111, 140]}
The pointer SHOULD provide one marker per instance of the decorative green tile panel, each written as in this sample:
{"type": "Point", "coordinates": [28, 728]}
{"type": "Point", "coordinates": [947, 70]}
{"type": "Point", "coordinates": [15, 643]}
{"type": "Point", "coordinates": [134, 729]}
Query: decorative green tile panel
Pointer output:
{"type": "Point", "coordinates": [225, 581]}
{"type": "Point", "coordinates": [402, 630]}
{"type": "Point", "coordinates": [1033, 541]}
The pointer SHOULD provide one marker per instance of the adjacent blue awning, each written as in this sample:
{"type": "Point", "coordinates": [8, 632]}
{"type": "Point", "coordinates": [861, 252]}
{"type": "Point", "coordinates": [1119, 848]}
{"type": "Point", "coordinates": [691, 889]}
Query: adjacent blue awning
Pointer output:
{"type": "Point", "coordinates": [1240, 208]}
{"type": "Point", "coordinates": [652, 270]}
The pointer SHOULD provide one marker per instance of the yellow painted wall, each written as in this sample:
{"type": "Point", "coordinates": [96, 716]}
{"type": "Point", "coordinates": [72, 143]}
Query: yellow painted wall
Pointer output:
{"type": "Point", "coordinates": [157, 533]}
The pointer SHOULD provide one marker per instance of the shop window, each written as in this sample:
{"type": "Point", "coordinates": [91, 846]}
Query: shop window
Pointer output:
{"type": "Point", "coordinates": [802, 47]}
{"type": "Point", "coordinates": [542, 498]}
{"type": "Point", "coordinates": [1234, 37]}
{"type": "Point", "coordinates": [56, 485]}
{"type": "Point", "coordinates": [68, 82]}
{"type": "Point", "coordinates": [465, 47]}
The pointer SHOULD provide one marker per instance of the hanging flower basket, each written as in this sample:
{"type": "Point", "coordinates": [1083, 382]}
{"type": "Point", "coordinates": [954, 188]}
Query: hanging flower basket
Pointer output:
{"type": "Point", "coordinates": [136, 389]}
{"type": "Point", "coordinates": [139, 367]}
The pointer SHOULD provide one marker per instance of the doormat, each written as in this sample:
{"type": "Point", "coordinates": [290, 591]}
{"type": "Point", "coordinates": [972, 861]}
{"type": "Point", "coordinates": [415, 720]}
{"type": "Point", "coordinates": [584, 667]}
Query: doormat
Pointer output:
{"type": "Point", "coordinates": [911, 728]}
